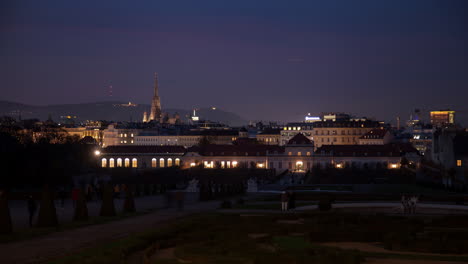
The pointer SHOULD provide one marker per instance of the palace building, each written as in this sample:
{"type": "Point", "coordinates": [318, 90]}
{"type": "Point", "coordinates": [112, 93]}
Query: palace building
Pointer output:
{"type": "Point", "coordinates": [296, 156]}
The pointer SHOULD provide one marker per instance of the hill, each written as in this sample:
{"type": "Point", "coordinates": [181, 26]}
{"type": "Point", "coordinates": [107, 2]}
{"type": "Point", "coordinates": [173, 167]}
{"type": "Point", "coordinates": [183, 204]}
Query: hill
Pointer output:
{"type": "Point", "coordinates": [112, 111]}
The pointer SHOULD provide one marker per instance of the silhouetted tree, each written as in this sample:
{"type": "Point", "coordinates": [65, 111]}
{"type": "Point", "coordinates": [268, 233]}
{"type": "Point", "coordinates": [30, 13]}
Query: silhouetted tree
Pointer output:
{"type": "Point", "coordinates": [107, 207]}
{"type": "Point", "coordinates": [5, 217]}
{"type": "Point", "coordinates": [81, 209]}
{"type": "Point", "coordinates": [47, 214]}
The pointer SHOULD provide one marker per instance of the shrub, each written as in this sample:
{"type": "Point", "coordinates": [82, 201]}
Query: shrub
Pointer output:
{"type": "Point", "coordinates": [47, 214]}
{"type": "Point", "coordinates": [226, 204]}
{"type": "Point", "coordinates": [324, 204]}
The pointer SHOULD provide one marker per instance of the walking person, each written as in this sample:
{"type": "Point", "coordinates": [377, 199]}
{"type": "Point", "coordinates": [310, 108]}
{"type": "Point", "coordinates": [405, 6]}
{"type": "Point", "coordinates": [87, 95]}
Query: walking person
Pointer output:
{"type": "Point", "coordinates": [404, 204]}
{"type": "Point", "coordinates": [32, 207]}
{"type": "Point", "coordinates": [284, 201]}
{"type": "Point", "coordinates": [62, 197]}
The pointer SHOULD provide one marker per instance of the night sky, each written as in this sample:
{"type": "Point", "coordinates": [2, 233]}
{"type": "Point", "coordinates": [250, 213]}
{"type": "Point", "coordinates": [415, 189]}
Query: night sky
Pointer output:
{"type": "Point", "coordinates": [275, 60]}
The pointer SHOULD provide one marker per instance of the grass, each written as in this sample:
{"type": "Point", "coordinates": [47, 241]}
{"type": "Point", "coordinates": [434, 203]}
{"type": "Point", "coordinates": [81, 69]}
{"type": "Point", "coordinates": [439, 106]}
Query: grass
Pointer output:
{"type": "Point", "coordinates": [28, 233]}
{"type": "Point", "coordinates": [226, 238]}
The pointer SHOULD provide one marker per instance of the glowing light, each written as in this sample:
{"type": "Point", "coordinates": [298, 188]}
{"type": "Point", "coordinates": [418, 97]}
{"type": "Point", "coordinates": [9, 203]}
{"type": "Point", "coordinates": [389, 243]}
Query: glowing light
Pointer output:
{"type": "Point", "coordinates": [193, 164]}
{"type": "Point", "coordinates": [339, 166]}
{"type": "Point", "coordinates": [97, 152]}
{"type": "Point", "coordinates": [394, 166]}
{"type": "Point", "coordinates": [234, 164]}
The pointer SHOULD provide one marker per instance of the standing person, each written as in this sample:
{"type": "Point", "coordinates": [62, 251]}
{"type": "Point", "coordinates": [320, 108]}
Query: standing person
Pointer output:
{"type": "Point", "coordinates": [292, 200]}
{"type": "Point", "coordinates": [403, 204]}
{"type": "Point", "coordinates": [75, 193]}
{"type": "Point", "coordinates": [284, 201]}
{"type": "Point", "coordinates": [32, 207]}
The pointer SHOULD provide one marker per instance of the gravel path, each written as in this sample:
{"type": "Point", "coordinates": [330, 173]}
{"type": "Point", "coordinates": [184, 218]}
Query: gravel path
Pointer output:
{"type": "Point", "coordinates": [55, 245]}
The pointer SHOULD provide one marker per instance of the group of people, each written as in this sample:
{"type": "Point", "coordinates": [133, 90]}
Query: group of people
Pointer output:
{"type": "Point", "coordinates": [409, 204]}
{"type": "Point", "coordinates": [288, 201]}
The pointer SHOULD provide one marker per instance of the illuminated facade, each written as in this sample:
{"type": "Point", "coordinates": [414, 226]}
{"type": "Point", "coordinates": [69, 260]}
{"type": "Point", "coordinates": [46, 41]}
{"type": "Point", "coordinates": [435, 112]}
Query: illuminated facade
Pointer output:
{"type": "Point", "coordinates": [297, 156]}
{"type": "Point", "coordinates": [442, 118]}
{"type": "Point", "coordinates": [341, 133]}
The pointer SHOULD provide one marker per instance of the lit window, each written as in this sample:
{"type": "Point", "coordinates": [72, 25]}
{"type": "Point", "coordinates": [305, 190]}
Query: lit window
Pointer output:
{"type": "Point", "coordinates": [119, 162]}
{"type": "Point", "coordinates": [161, 163]}
{"type": "Point", "coordinates": [153, 163]}
{"type": "Point", "coordinates": [134, 163]}
{"type": "Point", "coordinates": [111, 163]}
{"type": "Point", "coordinates": [127, 162]}
{"type": "Point", "coordinates": [131, 135]}
{"type": "Point", "coordinates": [459, 163]}
{"type": "Point", "coordinates": [104, 163]}
{"type": "Point", "coordinates": [125, 135]}
{"type": "Point", "coordinates": [234, 164]}
{"type": "Point", "coordinates": [289, 153]}
{"type": "Point", "coordinates": [308, 153]}
{"type": "Point", "coordinates": [169, 162]}
{"type": "Point", "coordinates": [299, 153]}
{"type": "Point", "coordinates": [177, 162]}
{"type": "Point", "coordinates": [193, 164]}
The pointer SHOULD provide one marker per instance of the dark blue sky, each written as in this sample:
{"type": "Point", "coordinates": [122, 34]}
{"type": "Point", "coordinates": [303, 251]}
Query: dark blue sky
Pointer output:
{"type": "Point", "coordinates": [262, 59]}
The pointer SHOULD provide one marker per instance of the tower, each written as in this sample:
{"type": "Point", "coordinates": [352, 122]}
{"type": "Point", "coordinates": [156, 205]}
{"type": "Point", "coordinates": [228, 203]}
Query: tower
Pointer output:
{"type": "Point", "coordinates": [155, 113]}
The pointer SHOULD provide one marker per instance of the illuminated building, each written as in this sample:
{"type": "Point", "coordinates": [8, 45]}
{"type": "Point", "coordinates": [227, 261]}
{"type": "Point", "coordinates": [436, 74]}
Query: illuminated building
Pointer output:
{"type": "Point", "coordinates": [442, 118]}
{"type": "Point", "coordinates": [342, 132]}
{"type": "Point", "coordinates": [376, 136]}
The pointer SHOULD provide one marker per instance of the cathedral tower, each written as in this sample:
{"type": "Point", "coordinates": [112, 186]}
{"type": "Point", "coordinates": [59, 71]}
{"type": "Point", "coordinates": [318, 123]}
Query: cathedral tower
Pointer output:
{"type": "Point", "coordinates": [155, 113]}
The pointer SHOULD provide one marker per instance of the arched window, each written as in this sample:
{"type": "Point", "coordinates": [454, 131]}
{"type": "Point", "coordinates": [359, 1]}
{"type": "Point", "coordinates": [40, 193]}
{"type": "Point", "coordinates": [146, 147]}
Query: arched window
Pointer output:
{"type": "Point", "coordinates": [104, 163]}
{"type": "Point", "coordinates": [111, 163]}
{"type": "Point", "coordinates": [153, 163]}
{"type": "Point", "coordinates": [119, 162]}
{"type": "Point", "coordinates": [127, 162]}
{"type": "Point", "coordinates": [134, 163]}
{"type": "Point", "coordinates": [177, 162]}
{"type": "Point", "coordinates": [169, 162]}
{"type": "Point", "coordinates": [161, 163]}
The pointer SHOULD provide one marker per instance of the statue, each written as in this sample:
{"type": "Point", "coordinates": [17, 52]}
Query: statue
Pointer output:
{"type": "Point", "coordinates": [252, 185]}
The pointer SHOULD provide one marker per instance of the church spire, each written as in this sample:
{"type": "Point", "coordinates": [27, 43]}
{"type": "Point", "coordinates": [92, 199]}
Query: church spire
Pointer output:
{"type": "Point", "coordinates": [155, 113]}
{"type": "Point", "coordinates": [156, 84]}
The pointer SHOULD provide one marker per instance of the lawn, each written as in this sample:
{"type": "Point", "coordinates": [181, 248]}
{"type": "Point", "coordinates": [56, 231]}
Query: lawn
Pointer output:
{"type": "Point", "coordinates": [285, 238]}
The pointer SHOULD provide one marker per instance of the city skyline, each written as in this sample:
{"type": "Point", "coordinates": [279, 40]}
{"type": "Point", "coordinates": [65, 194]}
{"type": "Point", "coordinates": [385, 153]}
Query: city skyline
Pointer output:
{"type": "Point", "coordinates": [381, 60]}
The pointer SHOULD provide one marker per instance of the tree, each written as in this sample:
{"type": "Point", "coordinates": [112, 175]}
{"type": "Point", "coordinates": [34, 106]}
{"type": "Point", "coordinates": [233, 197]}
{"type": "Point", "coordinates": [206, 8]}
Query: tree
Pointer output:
{"type": "Point", "coordinates": [129, 203]}
{"type": "Point", "coordinates": [81, 209]}
{"type": "Point", "coordinates": [47, 214]}
{"type": "Point", "coordinates": [108, 207]}
{"type": "Point", "coordinates": [5, 217]}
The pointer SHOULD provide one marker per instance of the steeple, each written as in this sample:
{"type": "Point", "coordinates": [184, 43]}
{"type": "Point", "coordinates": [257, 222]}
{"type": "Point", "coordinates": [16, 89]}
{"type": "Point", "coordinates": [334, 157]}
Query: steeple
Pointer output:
{"type": "Point", "coordinates": [155, 113]}
{"type": "Point", "coordinates": [156, 85]}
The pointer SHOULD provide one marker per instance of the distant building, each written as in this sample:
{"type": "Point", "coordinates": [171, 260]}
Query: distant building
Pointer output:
{"type": "Point", "coordinates": [442, 118]}
{"type": "Point", "coordinates": [114, 135]}
{"type": "Point", "coordinates": [377, 136]}
{"type": "Point", "coordinates": [292, 129]}
{"type": "Point", "coordinates": [450, 151]}
{"type": "Point", "coordinates": [341, 132]}
{"type": "Point", "coordinates": [269, 136]}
